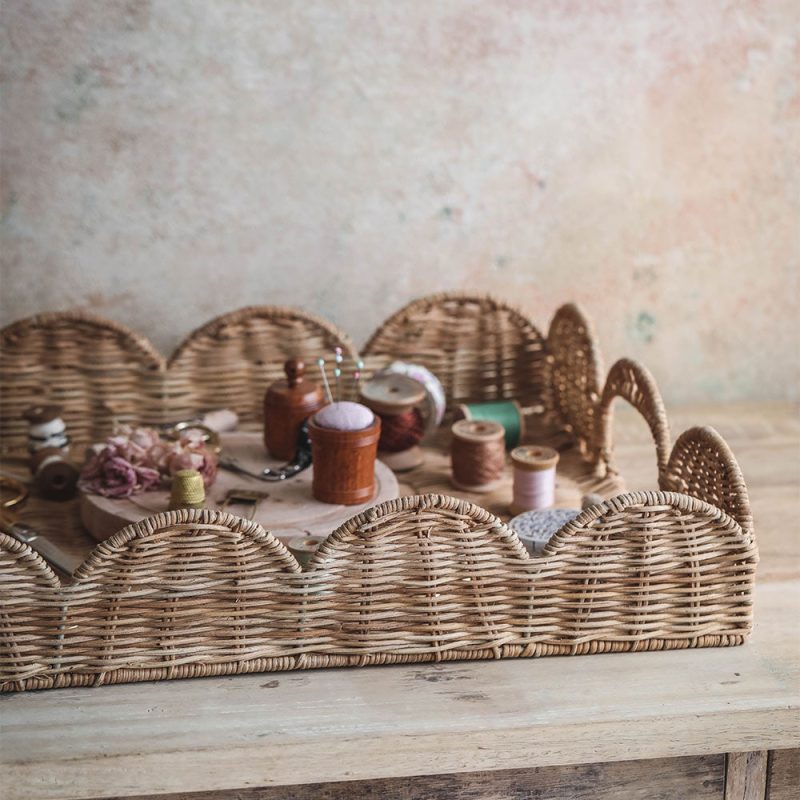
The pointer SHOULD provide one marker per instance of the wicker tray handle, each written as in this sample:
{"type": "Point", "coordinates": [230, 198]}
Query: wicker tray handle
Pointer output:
{"type": "Point", "coordinates": [703, 466]}
{"type": "Point", "coordinates": [575, 371]}
{"type": "Point", "coordinates": [633, 382]}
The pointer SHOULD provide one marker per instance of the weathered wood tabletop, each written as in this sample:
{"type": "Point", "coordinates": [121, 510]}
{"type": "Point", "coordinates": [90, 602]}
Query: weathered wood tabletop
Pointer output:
{"type": "Point", "coordinates": [467, 725]}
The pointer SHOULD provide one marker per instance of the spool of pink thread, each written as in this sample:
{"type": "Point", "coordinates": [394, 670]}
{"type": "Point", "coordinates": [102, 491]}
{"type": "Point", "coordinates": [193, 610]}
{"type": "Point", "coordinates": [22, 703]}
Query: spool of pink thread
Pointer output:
{"type": "Point", "coordinates": [534, 478]}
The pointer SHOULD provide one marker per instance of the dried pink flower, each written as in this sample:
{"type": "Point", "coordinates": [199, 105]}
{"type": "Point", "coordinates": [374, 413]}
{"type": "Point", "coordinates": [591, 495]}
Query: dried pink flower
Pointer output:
{"type": "Point", "coordinates": [138, 459]}
{"type": "Point", "coordinates": [111, 475]}
{"type": "Point", "coordinates": [190, 452]}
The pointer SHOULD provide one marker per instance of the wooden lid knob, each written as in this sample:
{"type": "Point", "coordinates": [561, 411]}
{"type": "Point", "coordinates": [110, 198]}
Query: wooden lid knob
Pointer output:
{"type": "Point", "coordinates": [295, 370]}
{"type": "Point", "coordinates": [294, 392]}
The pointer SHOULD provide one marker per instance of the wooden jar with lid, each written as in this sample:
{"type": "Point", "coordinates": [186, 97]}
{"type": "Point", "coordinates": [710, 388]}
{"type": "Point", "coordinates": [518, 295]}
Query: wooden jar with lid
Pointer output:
{"type": "Point", "coordinates": [287, 405]}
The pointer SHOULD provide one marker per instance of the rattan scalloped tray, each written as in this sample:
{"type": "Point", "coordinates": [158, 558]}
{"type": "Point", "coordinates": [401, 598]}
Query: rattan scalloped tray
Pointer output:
{"type": "Point", "coordinates": [422, 578]}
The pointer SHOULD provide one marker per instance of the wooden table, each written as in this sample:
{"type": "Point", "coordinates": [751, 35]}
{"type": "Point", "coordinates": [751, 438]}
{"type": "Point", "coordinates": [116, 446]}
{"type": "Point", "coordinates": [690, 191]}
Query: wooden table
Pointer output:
{"type": "Point", "coordinates": [676, 724]}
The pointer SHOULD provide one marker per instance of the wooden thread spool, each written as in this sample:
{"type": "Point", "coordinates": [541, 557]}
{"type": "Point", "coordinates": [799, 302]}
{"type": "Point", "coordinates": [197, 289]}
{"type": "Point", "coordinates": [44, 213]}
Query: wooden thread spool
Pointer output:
{"type": "Point", "coordinates": [188, 490]}
{"type": "Point", "coordinates": [534, 478]}
{"type": "Point", "coordinates": [343, 462]}
{"type": "Point", "coordinates": [55, 478]}
{"type": "Point", "coordinates": [304, 547]}
{"type": "Point", "coordinates": [509, 413]}
{"type": "Point", "coordinates": [395, 399]}
{"type": "Point", "coordinates": [287, 405]}
{"type": "Point", "coordinates": [477, 455]}
{"type": "Point", "coordinates": [46, 431]}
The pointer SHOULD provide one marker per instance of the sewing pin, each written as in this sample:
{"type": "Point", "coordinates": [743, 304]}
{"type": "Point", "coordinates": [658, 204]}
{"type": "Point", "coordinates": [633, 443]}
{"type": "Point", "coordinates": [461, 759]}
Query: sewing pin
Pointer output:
{"type": "Point", "coordinates": [321, 364]}
{"type": "Point", "coordinates": [357, 374]}
{"type": "Point", "coordinates": [337, 370]}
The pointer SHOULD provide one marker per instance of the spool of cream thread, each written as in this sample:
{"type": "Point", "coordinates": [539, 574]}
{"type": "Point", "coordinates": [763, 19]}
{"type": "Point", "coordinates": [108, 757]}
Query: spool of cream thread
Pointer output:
{"type": "Point", "coordinates": [534, 478]}
{"type": "Point", "coordinates": [188, 490]}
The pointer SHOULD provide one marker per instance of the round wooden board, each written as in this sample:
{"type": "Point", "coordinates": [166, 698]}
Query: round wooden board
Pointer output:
{"type": "Point", "coordinates": [288, 511]}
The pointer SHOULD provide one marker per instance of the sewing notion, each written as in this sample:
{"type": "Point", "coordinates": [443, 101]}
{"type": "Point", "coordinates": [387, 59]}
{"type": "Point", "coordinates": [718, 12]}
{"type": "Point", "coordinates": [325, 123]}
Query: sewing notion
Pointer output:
{"type": "Point", "coordinates": [477, 455]}
{"type": "Point", "coordinates": [396, 399]}
{"type": "Point", "coordinates": [508, 413]}
{"type": "Point", "coordinates": [344, 446]}
{"type": "Point", "coordinates": [54, 476]}
{"type": "Point", "coordinates": [187, 490]}
{"type": "Point", "coordinates": [534, 478]}
{"type": "Point", "coordinates": [287, 405]}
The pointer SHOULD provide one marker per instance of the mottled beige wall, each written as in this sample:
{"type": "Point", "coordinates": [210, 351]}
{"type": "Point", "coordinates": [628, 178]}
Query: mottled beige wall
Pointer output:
{"type": "Point", "coordinates": [166, 161]}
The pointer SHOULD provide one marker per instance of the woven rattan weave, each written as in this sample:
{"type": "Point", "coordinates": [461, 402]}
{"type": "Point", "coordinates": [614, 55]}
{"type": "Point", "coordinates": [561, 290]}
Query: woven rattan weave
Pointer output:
{"type": "Point", "coordinates": [422, 578]}
{"type": "Point", "coordinates": [100, 372]}
{"type": "Point", "coordinates": [480, 348]}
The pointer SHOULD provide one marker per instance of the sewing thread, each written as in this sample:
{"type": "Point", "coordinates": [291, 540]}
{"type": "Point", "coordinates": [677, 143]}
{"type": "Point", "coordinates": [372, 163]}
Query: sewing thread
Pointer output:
{"type": "Point", "coordinates": [508, 413]}
{"type": "Point", "coordinates": [534, 478]}
{"type": "Point", "coordinates": [401, 431]}
{"type": "Point", "coordinates": [477, 455]}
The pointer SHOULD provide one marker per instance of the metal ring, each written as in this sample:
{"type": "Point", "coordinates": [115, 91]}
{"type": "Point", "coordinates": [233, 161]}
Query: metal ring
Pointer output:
{"type": "Point", "coordinates": [210, 437]}
{"type": "Point", "coordinates": [16, 486]}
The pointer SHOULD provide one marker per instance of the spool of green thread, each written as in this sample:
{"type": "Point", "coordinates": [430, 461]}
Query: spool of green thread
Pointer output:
{"type": "Point", "coordinates": [507, 412]}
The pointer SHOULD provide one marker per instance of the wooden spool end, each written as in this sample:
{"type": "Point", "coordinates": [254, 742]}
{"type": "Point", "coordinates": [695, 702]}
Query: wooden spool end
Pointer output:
{"type": "Point", "coordinates": [392, 394]}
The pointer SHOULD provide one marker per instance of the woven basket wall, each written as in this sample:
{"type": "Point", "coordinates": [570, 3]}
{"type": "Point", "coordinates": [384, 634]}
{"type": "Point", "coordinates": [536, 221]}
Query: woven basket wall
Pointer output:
{"type": "Point", "coordinates": [96, 370]}
{"type": "Point", "coordinates": [99, 371]}
{"type": "Point", "coordinates": [428, 578]}
{"type": "Point", "coordinates": [230, 361]}
{"type": "Point", "coordinates": [575, 377]}
{"type": "Point", "coordinates": [480, 348]}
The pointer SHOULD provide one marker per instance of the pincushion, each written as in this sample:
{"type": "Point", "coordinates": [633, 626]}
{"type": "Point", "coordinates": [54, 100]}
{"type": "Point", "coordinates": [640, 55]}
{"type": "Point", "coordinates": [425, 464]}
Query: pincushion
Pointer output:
{"type": "Point", "coordinates": [344, 416]}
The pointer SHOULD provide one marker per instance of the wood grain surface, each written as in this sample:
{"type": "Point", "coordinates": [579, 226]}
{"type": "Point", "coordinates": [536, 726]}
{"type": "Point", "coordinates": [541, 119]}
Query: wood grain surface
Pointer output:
{"type": "Point", "coordinates": [783, 782]}
{"type": "Point", "coordinates": [288, 510]}
{"type": "Point", "coordinates": [698, 778]}
{"type": "Point", "coordinates": [746, 775]}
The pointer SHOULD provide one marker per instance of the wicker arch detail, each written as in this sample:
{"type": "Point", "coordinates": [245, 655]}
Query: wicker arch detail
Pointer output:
{"type": "Point", "coordinates": [230, 361]}
{"type": "Point", "coordinates": [633, 382]}
{"type": "Point", "coordinates": [140, 609]}
{"type": "Point", "coordinates": [480, 348]}
{"type": "Point", "coordinates": [576, 370]}
{"type": "Point", "coordinates": [97, 370]}
{"type": "Point", "coordinates": [702, 465]}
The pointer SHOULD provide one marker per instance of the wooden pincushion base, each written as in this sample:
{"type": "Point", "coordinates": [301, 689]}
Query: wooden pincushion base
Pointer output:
{"type": "Point", "coordinates": [289, 510]}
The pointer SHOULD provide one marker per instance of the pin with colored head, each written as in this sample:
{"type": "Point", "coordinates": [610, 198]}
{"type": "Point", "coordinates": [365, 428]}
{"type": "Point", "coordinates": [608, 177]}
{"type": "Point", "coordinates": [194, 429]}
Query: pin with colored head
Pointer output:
{"type": "Point", "coordinates": [337, 374]}
{"type": "Point", "coordinates": [337, 370]}
{"type": "Point", "coordinates": [321, 365]}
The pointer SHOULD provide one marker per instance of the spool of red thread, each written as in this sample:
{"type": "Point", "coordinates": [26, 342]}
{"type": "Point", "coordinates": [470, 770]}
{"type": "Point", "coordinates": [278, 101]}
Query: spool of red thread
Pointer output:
{"type": "Point", "coordinates": [396, 400]}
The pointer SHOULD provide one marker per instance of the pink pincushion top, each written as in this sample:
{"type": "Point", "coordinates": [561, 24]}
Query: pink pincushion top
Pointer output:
{"type": "Point", "coordinates": [344, 416]}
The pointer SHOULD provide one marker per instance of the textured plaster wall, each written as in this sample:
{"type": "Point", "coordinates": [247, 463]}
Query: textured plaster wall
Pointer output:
{"type": "Point", "coordinates": [165, 161]}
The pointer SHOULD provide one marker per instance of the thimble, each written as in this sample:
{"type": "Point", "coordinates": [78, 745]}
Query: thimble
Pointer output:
{"type": "Point", "coordinates": [188, 490]}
